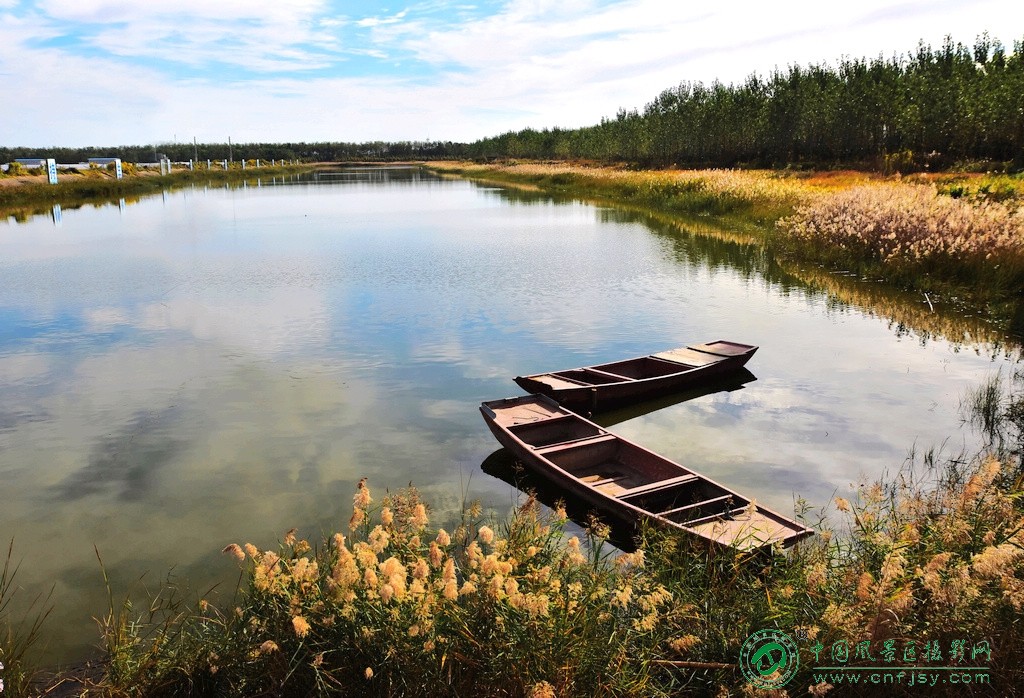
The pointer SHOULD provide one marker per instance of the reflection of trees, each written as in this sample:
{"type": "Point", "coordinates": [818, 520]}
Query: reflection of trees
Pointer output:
{"type": "Point", "coordinates": [112, 192]}
{"type": "Point", "coordinates": [908, 314]}
{"type": "Point", "coordinates": [912, 314]}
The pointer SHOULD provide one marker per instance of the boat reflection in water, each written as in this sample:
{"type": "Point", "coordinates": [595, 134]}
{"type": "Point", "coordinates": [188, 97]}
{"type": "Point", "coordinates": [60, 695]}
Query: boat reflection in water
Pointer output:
{"type": "Point", "coordinates": [733, 382]}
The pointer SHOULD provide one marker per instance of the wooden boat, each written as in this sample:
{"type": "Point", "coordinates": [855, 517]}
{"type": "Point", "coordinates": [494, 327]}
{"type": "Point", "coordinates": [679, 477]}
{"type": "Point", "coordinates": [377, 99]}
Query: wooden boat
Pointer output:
{"type": "Point", "coordinates": [627, 482]}
{"type": "Point", "coordinates": [632, 380]}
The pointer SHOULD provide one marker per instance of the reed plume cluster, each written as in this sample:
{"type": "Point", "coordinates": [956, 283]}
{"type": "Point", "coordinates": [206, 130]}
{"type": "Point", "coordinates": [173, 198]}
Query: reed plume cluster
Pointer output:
{"type": "Point", "coordinates": [390, 608]}
{"type": "Point", "coordinates": [911, 231]}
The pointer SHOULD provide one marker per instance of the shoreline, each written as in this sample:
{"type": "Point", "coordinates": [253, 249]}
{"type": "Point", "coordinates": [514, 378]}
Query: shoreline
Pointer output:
{"type": "Point", "coordinates": [789, 213]}
{"type": "Point", "coordinates": [32, 194]}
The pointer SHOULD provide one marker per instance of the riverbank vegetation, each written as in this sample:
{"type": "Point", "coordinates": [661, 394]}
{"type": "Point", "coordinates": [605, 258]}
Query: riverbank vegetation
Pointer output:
{"type": "Point", "coordinates": [29, 193]}
{"type": "Point", "coordinates": [913, 236]}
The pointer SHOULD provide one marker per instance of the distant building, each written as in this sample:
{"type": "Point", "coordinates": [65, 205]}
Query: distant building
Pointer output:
{"type": "Point", "coordinates": [31, 162]}
{"type": "Point", "coordinates": [102, 161]}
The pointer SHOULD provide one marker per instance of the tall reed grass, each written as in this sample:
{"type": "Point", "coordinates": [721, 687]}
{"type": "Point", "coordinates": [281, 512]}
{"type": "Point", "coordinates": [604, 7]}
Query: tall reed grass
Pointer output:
{"type": "Point", "coordinates": [392, 609]}
{"type": "Point", "coordinates": [20, 630]}
{"type": "Point", "coordinates": [913, 231]}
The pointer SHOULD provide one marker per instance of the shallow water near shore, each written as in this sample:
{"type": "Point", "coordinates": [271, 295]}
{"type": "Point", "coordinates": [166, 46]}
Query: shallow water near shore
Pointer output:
{"type": "Point", "coordinates": [218, 365]}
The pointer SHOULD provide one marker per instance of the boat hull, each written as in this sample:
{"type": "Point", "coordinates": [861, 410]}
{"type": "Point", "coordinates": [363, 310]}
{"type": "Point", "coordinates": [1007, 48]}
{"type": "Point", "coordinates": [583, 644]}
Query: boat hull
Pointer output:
{"type": "Point", "coordinates": [614, 384]}
{"type": "Point", "coordinates": [627, 482]}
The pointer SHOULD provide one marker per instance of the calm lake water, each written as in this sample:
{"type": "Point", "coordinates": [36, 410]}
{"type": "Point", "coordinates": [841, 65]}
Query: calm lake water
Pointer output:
{"type": "Point", "coordinates": [221, 364]}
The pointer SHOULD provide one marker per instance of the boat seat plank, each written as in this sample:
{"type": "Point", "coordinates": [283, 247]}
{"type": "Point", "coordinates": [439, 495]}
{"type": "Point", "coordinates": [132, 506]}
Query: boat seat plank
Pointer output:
{"type": "Point", "coordinates": [721, 348]}
{"type": "Point", "coordinates": [656, 486]}
{"type": "Point", "coordinates": [513, 411]}
{"type": "Point", "coordinates": [558, 382]}
{"type": "Point", "coordinates": [688, 357]}
{"type": "Point", "coordinates": [609, 374]}
{"type": "Point", "coordinates": [597, 479]}
{"type": "Point", "coordinates": [749, 532]}
{"type": "Point", "coordinates": [712, 517]}
{"type": "Point", "coordinates": [575, 443]}
{"type": "Point", "coordinates": [697, 505]}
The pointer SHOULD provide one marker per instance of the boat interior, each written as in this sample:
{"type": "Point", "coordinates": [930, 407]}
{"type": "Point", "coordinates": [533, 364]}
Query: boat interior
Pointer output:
{"type": "Point", "coordinates": [633, 475]}
{"type": "Point", "coordinates": [645, 367]}
{"type": "Point", "coordinates": [612, 466]}
{"type": "Point", "coordinates": [617, 372]}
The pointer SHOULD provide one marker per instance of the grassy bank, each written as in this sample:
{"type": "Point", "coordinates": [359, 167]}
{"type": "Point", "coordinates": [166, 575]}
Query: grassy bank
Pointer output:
{"type": "Point", "coordinates": [957, 237]}
{"type": "Point", "coordinates": [22, 196]}
{"type": "Point", "coordinates": [754, 197]}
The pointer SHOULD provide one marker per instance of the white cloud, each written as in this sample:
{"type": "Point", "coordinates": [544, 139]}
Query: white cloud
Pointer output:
{"type": "Point", "coordinates": [259, 36]}
{"type": "Point", "coordinates": [23, 368]}
{"type": "Point", "coordinates": [130, 11]}
{"type": "Point", "coordinates": [382, 21]}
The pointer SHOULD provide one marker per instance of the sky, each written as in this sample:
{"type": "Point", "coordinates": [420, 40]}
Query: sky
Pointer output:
{"type": "Point", "coordinates": [132, 72]}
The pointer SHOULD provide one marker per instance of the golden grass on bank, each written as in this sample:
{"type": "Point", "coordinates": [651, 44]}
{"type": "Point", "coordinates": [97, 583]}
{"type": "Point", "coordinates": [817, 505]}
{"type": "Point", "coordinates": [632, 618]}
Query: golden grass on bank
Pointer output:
{"type": "Point", "coordinates": [930, 564]}
{"type": "Point", "coordinates": [912, 230]}
{"type": "Point", "coordinates": [756, 195]}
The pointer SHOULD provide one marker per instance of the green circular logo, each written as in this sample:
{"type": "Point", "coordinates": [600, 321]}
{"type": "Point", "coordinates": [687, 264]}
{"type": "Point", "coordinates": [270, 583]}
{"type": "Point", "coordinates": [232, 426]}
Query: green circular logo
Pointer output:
{"type": "Point", "coordinates": [769, 659]}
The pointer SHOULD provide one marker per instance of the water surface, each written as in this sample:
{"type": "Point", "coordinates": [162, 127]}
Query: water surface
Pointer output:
{"type": "Point", "coordinates": [221, 364]}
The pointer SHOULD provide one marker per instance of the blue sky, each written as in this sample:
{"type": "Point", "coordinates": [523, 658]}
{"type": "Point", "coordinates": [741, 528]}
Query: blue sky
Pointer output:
{"type": "Point", "coordinates": [111, 72]}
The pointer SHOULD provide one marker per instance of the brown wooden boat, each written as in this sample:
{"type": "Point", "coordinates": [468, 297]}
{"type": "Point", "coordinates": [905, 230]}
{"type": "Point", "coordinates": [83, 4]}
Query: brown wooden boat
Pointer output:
{"type": "Point", "coordinates": [605, 385]}
{"type": "Point", "coordinates": [627, 482]}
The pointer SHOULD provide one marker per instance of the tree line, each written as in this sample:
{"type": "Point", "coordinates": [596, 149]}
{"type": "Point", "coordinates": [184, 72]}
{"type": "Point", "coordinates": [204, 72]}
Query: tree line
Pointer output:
{"type": "Point", "coordinates": [304, 152]}
{"type": "Point", "coordinates": [931, 108]}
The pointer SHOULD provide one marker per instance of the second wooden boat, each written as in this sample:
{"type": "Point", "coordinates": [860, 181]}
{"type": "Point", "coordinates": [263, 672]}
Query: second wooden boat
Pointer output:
{"type": "Point", "coordinates": [593, 388]}
{"type": "Point", "coordinates": [626, 481]}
